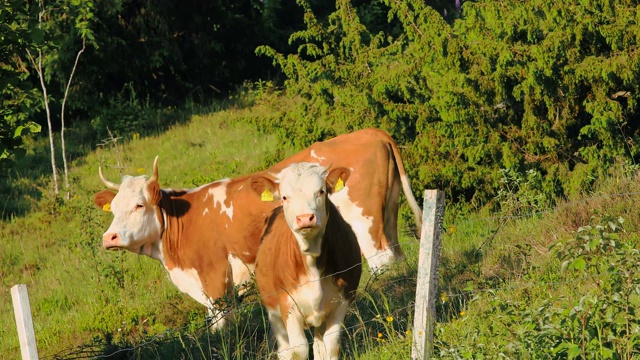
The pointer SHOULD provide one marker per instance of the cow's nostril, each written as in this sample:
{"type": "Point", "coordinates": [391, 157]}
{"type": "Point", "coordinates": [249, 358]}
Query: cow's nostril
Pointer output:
{"type": "Point", "coordinates": [110, 240]}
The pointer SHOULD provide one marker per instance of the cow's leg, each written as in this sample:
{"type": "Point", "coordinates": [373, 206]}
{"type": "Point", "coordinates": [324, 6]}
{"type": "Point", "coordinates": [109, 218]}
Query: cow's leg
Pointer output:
{"type": "Point", "coordinates": [279, 332]}
{"type": "Point", "coordinates": [319, 347]}
{"type": "Point", "coordinates": [332, 329]}
{"type": "Point", "coordinates": [298, 346]}
{"type": "Point", "coordinates": [219, 286]}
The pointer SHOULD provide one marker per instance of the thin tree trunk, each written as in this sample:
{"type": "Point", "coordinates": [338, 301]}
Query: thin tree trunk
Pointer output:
{"type": "Point", "coordinates": [64, 101]}
{"type": "Point", "coordinates": [38, 67]}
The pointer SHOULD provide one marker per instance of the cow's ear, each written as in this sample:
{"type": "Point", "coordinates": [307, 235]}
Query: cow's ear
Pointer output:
{"type": "Point", "coordinates": [154, 192]}
{"type": "Point", "coordinates": [103, 199]}
{"type": "Point", "coordinates": [265, 187]}
{"type": "Point", "coordinates": [337, 178]}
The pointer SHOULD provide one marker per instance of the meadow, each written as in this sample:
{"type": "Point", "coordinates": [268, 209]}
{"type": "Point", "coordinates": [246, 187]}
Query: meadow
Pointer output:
{"type": "Point", "coordinates": [528, 282]}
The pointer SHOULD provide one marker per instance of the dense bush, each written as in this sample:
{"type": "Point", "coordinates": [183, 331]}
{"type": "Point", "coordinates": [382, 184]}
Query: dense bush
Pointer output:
{"type": "Point", "coordinates": [540, 86]}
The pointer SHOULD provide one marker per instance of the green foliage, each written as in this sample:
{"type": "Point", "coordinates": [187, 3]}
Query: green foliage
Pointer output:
{"type": "Point", "coordinates": [542, 86]}
{"type": "Point", "coordinates": [589, 311]}
{"type": "Point", "coordinates": [17, 93]}
{"type": "Point", "coordinates": [522, 196]}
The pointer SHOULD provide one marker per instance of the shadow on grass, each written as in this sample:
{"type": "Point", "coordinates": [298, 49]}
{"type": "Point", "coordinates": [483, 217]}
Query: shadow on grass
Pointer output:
{"type": "Point", "coordinates": [244, 339]}
{"type": "Point", "coordinates": [26, 184]}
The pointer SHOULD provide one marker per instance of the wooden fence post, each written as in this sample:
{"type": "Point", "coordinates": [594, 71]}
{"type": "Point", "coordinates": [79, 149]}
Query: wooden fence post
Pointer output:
{"type": "Point", "coordinates": [24, 322]}
{"type": "Point", "coordinates": [427, 279]}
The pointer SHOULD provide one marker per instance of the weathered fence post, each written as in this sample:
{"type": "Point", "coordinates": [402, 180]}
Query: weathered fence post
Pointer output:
{"type": "Point", "coordinates": [24, 322]}
{"type": "Point", "coordinates": [427, 279]}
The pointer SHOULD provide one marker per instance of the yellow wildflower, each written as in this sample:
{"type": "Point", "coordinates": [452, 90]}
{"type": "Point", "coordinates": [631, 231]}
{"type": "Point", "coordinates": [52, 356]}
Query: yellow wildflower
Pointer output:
{"type": "Point", "coordinates": [462, 313]}
{"type": "Point", "coordinates": [389, 319]}
{"type": "Point", "coordinates": [379, 335]}
{"type": "Point", "coordinates": [107, 207]}
{"type": "Point", "coordinates": [444, 297]}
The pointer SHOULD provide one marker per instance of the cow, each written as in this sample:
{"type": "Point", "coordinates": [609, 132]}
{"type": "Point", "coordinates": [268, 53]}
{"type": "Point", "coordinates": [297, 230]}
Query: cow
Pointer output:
{"type": "Point", "coordinates": [308, 265]}
{"type": "Point", "coordinates": [207, 238]}
{"type": "Point", "coordinates": [369, 200]}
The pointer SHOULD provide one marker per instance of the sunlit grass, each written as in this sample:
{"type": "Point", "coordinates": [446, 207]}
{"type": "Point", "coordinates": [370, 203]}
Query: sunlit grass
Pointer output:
{"type": "Point", "coordinates": [124, 304]}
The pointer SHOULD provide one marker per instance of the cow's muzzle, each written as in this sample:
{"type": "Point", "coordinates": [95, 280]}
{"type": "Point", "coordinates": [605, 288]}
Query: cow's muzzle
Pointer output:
{"type": "Point", "coordinates": [111, 241]}
{"type": "Point", "coordinates": [306, 221]}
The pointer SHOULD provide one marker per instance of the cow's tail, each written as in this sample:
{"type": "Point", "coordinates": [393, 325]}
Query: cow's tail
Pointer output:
{"type": "Point", "coordinates": [406, 187]}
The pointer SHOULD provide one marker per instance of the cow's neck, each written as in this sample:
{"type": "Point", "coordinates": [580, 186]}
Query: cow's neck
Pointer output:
{"type": "Point", "coordinates": [153, 250]}
{"type": "Point", "coordinates": [171, 224]}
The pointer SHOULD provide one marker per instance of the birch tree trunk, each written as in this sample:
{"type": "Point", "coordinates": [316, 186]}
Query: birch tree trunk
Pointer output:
{"type": "Point", "coordinates": [64, 101]}
{"type": "Point", "coordinates": [38, 66]}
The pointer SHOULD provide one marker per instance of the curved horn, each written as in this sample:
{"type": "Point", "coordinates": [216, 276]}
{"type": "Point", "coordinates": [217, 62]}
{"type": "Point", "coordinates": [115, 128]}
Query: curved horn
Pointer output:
{"type": "Point", "coordinates": [154, 177]}
{"type": "Point", "coordinates": [107, 183]}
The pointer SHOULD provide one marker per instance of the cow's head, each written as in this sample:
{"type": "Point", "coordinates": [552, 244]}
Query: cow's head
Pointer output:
{"type": "Point", "coordinates": [136, 225]}
{"type": "Point", "coordinates": [303, 189]}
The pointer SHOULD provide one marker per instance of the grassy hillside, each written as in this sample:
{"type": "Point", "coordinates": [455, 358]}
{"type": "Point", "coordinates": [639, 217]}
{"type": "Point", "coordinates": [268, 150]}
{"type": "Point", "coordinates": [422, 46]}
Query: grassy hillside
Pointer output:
{"type": "Point", "coordinates": [526, 283]}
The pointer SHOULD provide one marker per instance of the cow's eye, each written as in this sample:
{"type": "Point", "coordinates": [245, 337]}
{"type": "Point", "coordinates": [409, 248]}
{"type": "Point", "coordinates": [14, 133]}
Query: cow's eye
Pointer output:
{"type": "Point", "coordinates": [139, 206]}
{"type": "Point", "coordinates": [321, 192]}
{"type": "Point", "coordinates": [284, 198]}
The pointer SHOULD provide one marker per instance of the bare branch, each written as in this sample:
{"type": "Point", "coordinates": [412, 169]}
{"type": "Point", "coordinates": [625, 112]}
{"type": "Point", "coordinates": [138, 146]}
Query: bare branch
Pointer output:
{"type": "Point", "coordinates": [621, 93]}
{"type": "Point", "coordinates": [64, 101]}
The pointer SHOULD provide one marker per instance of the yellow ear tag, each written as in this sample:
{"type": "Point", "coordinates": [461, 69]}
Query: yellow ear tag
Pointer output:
{"type": "Point", "coordinates": [266, 195]}
{"type": "Point", "coordinates": [107, 207]}
{"type": "Point", "coordinates": [339, 185]}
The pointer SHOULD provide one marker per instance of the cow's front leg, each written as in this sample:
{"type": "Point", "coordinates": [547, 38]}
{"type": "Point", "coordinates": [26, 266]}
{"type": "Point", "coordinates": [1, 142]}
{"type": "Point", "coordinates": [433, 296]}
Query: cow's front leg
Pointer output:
{"type": "Point", "coordinates": [279, 331]}
{"type": "Point", "coordinates": [298, 345]}
{"type": "Point", "coordinates": [319, 347]}
{"type": "Point", "coordinates": [332, 329]}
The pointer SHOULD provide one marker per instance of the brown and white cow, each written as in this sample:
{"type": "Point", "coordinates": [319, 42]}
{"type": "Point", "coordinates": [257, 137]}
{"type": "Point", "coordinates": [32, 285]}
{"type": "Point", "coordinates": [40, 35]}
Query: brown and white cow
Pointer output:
{"type": "Point", "coordinates": [207, 237]}
{"type": "Point", "coordinates": [308, 265]}
{"type": "Point", "coordinates": [369, 200]}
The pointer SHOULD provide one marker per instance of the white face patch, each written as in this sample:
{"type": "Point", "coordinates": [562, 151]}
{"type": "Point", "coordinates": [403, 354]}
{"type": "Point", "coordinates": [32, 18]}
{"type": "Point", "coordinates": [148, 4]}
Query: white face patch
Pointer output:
{"type": "Point", "coordinates": [303, 193]}
{"type": "Point", "coordinates": [134, 218]}
{"type": "Point", "coordinates": [219, 194]}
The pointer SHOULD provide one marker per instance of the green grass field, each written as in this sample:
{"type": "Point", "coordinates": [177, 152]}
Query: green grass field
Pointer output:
{"type": "Point", "coordinates": [506, 287]}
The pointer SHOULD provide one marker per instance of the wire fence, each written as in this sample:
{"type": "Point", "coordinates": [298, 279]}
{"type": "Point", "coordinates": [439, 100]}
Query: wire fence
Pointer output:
{"type": "Point", "coordinates": [378, 280]}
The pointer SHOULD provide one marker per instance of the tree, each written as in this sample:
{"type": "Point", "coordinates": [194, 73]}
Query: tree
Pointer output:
{"type": "Point", "coordinates": [17, 95]}
{"type": "Point", "coordinates": [47, 49]}
{"type": "Point", "coordinates": [524, 87]}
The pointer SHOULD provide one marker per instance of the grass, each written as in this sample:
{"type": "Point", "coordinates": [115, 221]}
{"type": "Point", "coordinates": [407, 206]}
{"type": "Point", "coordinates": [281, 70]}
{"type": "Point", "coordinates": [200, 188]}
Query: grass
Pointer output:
{"type": "Point", "coordinates": [497, 271]}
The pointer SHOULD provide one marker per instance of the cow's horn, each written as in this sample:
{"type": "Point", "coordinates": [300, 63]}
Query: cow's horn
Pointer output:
{"type": "Point", "coordinates": [154, 177]}
{"type": "Point", "coordinates": [107, 183]}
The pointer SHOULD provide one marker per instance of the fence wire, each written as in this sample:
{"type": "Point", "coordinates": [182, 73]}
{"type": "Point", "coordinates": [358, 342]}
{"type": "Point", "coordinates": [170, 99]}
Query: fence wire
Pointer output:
{"type": "Point", "coordinates": [90, 351]}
